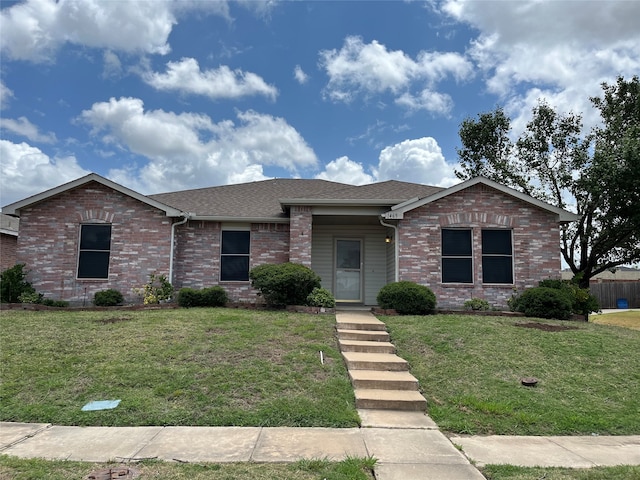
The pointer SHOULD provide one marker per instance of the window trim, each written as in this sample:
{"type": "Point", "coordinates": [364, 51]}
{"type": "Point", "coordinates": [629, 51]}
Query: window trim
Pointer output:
{"type": "Point", "coordinates": [469, 257]}
{"type": "Point", "coordinates": [498, 255]}
{"type": "Point", "coordinates": [80, 250]}
{"type": "Point", "coordinates": [223, 255]}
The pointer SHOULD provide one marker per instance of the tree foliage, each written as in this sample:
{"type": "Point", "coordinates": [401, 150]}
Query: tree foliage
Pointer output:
{"type": "Point", "coordinates": [595, 174]}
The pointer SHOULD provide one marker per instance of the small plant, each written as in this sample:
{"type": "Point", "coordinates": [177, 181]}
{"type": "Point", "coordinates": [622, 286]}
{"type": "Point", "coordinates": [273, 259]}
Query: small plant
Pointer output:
{"type": "Point", "coordinates": [407, 298]}
{"type": "Point", "coordinates": [13, 284]}
{"type": "Point", "coordinates": [30, 297]}
{"type": "Point", "coordinates": [157, 290]}
{"type": "Point", "coordinates": [207, 297]}
{"type": "Point", "coordinates": [108, 298]}
{"type": "Point", "coordinates": [477, 304]}
{"type": "Point", "coordinates": [321, 297]}
{"type": "Point", "coordinates": [284, 284]}
{"type": "Point", "coordinates": [512, 302]}
{"type": "Point", "coordinates": [50, 302]}
{"type": "Point", "coordinates": [545, 302]}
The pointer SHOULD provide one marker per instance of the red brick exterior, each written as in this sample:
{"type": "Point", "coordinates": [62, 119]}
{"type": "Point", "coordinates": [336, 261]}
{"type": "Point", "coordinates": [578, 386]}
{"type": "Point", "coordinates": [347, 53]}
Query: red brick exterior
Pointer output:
{"type": "Point", "coordinates": [301, 235]}
{"type": "Point", "coordinates": [49, 235]}
{"type": "Point", "coordinates": [8, 247]}
{"type": "Point", "coordinates": [536, 237]}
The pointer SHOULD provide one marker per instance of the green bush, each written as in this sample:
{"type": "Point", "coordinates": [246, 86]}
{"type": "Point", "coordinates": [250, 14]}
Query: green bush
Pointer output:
{"type": "Point", "coordinates": [13, 284]}
{"type": "Point", "coordinates": [582, 302]}
{"type": "Point", "coordinates": [50, 302]}
{"type": "Point", "coordinates": [477, 304]}
{"type": "Point", "coordinates": [108, 298]}
{"type": "Point", "coordinates": [207, 297]}
{"type": "Point", "coordinates": [284, 283]}
{"type": "Point", "coordinates": [545, 302]}
{"type": "Point", "coordinates": [321, 297]}
{"type": "Point", "coordinates": [407, 298]}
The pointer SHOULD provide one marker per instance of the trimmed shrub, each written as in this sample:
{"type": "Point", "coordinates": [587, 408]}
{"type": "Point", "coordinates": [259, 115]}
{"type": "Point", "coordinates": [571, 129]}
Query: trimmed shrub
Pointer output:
{"type": "Point", "coordinates": [13, 284]}
{"type": "Point", "coordinates": [108, 298]}
{"type": "Point", "coordinates": [50, 302]}
{"type": "Point", "coordinates": [321, 297]}
{"type": "Point", "coordinates": [545, 302]}
{"type": "Point", "coordinates": [477, 304]}
{"type": "Point", "coordinates": [284, 284]}
{"type": "Point", "coordinates": [407, 298]}
{"type": "Point", "coordinates": [582, 302]}
{"type": "Point", "coordinates": [207, 297]}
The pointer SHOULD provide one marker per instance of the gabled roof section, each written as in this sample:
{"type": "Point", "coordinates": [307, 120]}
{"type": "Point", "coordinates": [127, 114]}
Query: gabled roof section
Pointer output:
{"type": "Point", "coordinates": [253, 201]}
{"type": "Point", "coordinates": [14, 208]}
{"type": "Point", "coordinates": [397, 211]}
{"type": "Point", "coordinates": [9, 225]}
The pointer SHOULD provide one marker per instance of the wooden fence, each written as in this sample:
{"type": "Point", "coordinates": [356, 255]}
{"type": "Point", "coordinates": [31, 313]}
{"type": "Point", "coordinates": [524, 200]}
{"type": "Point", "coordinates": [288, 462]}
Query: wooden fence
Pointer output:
{"type": "Point", "coordinates": [608, 293]}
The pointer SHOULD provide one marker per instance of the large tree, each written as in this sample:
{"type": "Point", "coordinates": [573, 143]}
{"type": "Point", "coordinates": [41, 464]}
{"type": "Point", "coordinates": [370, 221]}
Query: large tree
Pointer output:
{"type": "Point", "coordinates": [595, 174]}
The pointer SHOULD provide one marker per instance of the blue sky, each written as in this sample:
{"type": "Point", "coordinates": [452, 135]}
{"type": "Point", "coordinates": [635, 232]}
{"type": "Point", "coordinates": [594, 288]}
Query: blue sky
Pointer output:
{"type": "Point", "coordinates": [169, 95]}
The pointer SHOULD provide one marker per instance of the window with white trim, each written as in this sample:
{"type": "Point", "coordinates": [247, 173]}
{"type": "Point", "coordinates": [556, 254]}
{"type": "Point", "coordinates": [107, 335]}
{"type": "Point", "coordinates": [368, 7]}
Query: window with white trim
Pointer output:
{"type": "Point", "coordinates": [94, 251]}
{"type": "Point", "coordinates": [234, 255]}
{"type": "Point", "coordinates": [497, 256]}
{"type": "Point", "coordinates": [457, 256]}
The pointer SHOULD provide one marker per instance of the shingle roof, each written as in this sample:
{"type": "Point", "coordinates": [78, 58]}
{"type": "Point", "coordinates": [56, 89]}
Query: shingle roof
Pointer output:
{"type": "Point", "coordinates": [263, 199]}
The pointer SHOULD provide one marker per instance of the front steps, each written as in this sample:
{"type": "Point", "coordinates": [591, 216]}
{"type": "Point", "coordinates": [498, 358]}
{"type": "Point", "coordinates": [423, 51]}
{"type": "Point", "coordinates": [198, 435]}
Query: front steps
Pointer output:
{"type": "Point", "coordinates": [381, 380]}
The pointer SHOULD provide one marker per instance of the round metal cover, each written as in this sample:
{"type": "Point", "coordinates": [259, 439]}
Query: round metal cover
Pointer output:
{"type": "Point", "coordinates": [113, 473]}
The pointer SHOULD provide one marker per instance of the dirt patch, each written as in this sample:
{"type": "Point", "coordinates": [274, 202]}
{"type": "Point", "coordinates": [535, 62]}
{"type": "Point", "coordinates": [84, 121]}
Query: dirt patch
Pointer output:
{"type": "Point", "coordinates": [106, 321]}
{"type": "Point", "coordinates": [545, 326]}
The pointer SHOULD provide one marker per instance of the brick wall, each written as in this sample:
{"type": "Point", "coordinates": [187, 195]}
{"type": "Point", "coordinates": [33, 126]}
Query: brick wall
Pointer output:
{"type": "Point", "coordinates": [197, 261]}
{"type": "Point", "coordinates": [8, 247]}
{"type": "Point", "coordinates": [536, 243]}
{"type": "Point", "coordinates": [300, 235]}
{"type": "Point", "coordinates": [49, 235]}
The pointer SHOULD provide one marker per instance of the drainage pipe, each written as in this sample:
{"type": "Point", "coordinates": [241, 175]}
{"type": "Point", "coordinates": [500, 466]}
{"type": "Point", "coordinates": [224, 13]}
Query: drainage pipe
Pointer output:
{"type": "Point", "coordinates": [396, 247]}
{"type": "Point", "coordinates": [184, 220]}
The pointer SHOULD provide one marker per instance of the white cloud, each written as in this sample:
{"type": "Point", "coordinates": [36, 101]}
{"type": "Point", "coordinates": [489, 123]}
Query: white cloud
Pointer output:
{"type": "Point", "coordinates": [434, 102]}
{"type": "Point", "coordinates": [24, 127]}
{"type": "Point", "coordinates": [300, 76]}
{"type": "Point", "coordinates": [344, 170]}
{"type": "Point", "coordinates": [368, 69]}
{"type": "Point", "coordinates": [26, 171]}
{"type": "Point", "coordinates": [418, 161]}
{"type": "Point", "coordinates": [112, 65]}
{"type": "Point", "coordinates": [189, 150]}
{"type": "Point", "coordinates": [186, 77]}
{"type": "Point", "coordinates": [35, 29]}
{"type": "Point", "coordinates": [5, 95]}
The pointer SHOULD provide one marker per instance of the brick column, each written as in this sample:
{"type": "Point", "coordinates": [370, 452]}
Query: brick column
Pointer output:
{"type": "Point", "coordinates": [300, 235]}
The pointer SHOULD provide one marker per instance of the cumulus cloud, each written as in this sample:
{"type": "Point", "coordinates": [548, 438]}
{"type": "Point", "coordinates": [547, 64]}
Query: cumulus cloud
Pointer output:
{"type": "Point", "coordinates": [344, 170]}
{"type": "Point", "coordinates": [34, 30]}
{"type": "Point", "coordinates": [26, 171]}
{"type": "Point", "coordinates": [186, 77]}
{"type": "Point", "coordinates": [5, 95]}
{"type": "Point", "coordinates": [187, 150]}
{"type": "Point", "coordinates": [360, 69]}
{"type": "Point", "coordinates": [299, 75]}
{"type": "Point", "coordinates": [25, 128]}
{"type": "Point", "coordinates": [112, 65]}
{"type": "Point", "coordinates": [419, 160]}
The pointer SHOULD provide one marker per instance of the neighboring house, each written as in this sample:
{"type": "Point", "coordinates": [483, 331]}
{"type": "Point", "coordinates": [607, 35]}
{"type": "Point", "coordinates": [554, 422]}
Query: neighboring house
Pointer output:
{"type": "Point", "coordinates": [8, 240]}
{"type": "Point", "coordinates": [475, 239]}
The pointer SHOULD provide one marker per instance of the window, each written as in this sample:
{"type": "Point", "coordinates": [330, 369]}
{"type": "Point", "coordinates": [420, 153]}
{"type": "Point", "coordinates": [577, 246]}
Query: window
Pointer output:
{"type": "Point", "coordinates": [497, 256]}
{"type": "Point", "coordinates": [95, 247]}
{"type": "Point", "coordinates": [234, 259]}
{"type": "Point", "coordinates": [457, 265]}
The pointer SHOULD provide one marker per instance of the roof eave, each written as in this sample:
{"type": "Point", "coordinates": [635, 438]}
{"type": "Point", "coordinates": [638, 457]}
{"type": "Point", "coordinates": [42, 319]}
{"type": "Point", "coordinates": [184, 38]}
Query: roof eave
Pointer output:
{"type": "Point", "coordinates": [366, 202]}
{"type": "Point", "coordinates": [237, 219]}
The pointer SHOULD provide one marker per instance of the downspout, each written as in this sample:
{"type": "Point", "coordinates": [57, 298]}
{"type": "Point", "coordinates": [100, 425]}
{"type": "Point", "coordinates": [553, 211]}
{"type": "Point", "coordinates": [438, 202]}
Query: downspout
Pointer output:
{"type": "Point", "coordinates": [396, 247]}
{"type": "Point", "coordinates": [173, 236]}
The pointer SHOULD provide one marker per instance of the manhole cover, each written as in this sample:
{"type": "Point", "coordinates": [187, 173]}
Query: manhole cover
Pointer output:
{"type": "Point", "coordinates": [113, 473]}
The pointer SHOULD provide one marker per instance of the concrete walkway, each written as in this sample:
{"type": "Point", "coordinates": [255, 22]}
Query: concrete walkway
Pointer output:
{"type": "Point", "coordinates": [407, 444]}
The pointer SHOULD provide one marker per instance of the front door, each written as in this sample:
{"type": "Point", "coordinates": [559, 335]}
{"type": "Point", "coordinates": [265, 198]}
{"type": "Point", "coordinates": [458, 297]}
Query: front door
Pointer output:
{"type": "Point", "coordinates": [348, 270]}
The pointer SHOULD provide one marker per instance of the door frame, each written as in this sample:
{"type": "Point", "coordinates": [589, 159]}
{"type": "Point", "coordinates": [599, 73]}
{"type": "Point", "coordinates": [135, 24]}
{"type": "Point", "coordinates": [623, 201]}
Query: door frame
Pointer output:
{"type": "Point", "coordinates": [360, 240]}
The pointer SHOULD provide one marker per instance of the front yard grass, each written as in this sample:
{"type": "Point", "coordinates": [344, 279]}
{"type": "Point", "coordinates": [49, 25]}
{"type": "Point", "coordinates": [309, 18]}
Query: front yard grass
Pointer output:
{"type": "Point", "coordinates": [508, 472]}
{"type": "Point", "coordinates": [628, 319]}
{"type": "Point", "coordinates": [469, 368]}
{"type": "Point", "coordinates": [173, 367]}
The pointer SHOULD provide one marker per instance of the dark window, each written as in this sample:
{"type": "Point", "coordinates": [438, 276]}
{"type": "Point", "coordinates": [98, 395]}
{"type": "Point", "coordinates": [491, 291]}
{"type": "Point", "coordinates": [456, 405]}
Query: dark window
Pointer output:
{"type": "Point", "coordinates": [457, 264]}
{"type": "Point", "coordinates": [497, 256]}
{"type": "Point", "coordinates": [234, 259]}
{"type": "Point", "coordinates": [95, 247]}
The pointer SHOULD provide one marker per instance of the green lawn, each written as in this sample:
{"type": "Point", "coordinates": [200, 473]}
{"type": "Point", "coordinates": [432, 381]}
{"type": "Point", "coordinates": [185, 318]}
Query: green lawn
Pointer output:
{"type": "Point", "coordinates": [469, 368]}
{"type": "Point", "coordinates": [173, 367]}
{"type": "Point", "coordinates": [508, 472]}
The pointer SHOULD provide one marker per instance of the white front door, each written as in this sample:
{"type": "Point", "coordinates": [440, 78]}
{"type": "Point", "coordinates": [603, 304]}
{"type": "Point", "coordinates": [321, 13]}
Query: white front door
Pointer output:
{"type": "Point", "coordinates": [348, 270]}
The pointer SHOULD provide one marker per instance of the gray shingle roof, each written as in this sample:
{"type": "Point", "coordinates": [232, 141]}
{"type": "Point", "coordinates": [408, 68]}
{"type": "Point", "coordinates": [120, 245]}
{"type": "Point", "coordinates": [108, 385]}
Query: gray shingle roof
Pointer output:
{"type": "Point", "coordinates": [263, 199]}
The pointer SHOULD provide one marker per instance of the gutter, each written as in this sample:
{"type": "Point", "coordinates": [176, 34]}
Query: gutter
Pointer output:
{"type": "Point", "coordinates": [184, 220]}
{"type": "Point", "coordinates": [396, 247]}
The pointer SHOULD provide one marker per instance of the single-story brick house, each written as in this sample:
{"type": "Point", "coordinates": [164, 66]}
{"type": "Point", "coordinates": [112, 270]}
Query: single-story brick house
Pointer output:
{"type": "Point", "coordinates": [8, 240]}
{"type": "Point", "coordinates": [475, 239]}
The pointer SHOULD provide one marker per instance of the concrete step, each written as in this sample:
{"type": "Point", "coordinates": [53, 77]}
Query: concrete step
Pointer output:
{"type": "Point", "coordinates": [363, 335]}
{"type": "Point", "coordinates": [375, 361]}
{"type": "Point", "coordinates": [390, 400]}
{"type": "Point", "coordinates": [362, 322]}
{"type": "Point", "coordinates": [366, 346]}
{"type": "Point", "coordinates": [379, 380]}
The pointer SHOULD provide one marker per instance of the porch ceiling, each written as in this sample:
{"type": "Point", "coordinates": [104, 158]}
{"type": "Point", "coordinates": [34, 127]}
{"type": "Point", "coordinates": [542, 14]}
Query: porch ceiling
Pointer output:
{"type": "Point", "coordinates": [346, 220]}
